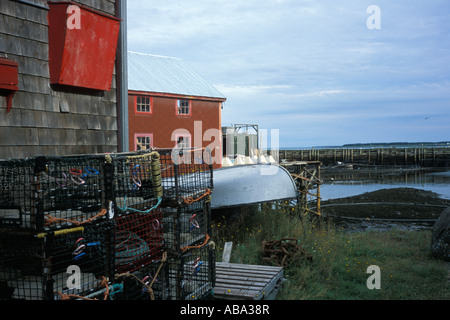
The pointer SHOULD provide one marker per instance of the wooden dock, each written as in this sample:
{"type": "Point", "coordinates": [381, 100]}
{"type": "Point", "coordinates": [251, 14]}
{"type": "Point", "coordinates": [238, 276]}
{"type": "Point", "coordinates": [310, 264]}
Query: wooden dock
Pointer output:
{"type": "Point", "coordinates": [247, 282]}
{"type": "Point", "coordinates": [424, 156]}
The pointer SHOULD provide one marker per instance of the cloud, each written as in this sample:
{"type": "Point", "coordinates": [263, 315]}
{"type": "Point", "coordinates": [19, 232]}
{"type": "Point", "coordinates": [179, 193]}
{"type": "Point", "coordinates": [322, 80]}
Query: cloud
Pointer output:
{"type": "Point", "coordinates": [311, 67]}
{"type": "Point", "coordinates": [251, 90]}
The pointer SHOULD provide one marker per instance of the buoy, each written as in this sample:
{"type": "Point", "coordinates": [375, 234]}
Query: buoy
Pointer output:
{"type": "Point", "coordinates": [226, 162]}
{"type": "Point", "coordinates": [262, 159]}
{"type": "Point", "coordinates": [271, 160]}
{"type": "Point", "coordinates": [239, 160]}
{"type": "Point", "coordinates": [248, 160]}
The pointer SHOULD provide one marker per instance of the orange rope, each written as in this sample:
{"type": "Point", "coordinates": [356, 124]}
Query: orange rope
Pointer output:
{"type": "Point", "coordinates": [199, 246]}
{"type": "Point", "coordinates": [103, 283]}
{"type": "Point", "coordinates": [52, 220]}
{"type": "Point", "coordinates": [190, 200]}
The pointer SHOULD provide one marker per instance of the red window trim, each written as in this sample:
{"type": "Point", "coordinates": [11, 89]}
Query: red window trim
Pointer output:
{"type": "Point", "coordinates": [183, 114]}
{"type": "Point", "coordinates": [136, 135]}
{"type": "Point", "coordinates": [143, 112]}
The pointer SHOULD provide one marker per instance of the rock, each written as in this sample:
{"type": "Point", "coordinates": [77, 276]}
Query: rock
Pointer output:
{"type": "Point", "coordinates": [440, 237]}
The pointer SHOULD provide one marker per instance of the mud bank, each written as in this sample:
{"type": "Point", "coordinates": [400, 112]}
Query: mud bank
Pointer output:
{"type": "Point", "coordinates": [402, 208]}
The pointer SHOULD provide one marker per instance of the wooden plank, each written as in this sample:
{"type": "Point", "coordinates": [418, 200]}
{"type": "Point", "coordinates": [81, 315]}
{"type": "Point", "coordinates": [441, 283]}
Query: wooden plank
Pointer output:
{"type": "Point", "coordinates": [235, 266]}
{"type": "Point", "coordinates": [231, 277]}
{"type": "Point", "coordinates": [236, 294]}
{"type": "Point", "coordinates": [251, 273]}
{"type": "Point", "coordinates": [248, 282]}
{"type": "Point", "coordinates": [242, 280]}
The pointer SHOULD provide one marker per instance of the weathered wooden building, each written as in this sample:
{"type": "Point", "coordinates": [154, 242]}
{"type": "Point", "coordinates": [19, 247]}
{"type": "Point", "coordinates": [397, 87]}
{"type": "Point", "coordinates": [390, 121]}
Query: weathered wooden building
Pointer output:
{"type": "Point", "coordinates": [66, 58]}
{"type": "Point", "coordinates": [170, 104]}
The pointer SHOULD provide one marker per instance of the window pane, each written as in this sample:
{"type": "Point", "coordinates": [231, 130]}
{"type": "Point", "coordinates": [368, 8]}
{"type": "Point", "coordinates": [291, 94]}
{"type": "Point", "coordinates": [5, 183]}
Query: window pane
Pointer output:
{"type": "Point", "coordinates": [184, 142]}
{"type": "Point", "coordinates": [143, 142]}
{"type": "Point", "coordinates": [183, 107]}
{"type": "Point", "coordinates": [143, 104]}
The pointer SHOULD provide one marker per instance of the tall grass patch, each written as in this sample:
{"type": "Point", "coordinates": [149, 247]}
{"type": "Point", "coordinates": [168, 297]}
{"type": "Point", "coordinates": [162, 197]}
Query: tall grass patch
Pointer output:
{"type": "Point", "coordinates": [333, 264]}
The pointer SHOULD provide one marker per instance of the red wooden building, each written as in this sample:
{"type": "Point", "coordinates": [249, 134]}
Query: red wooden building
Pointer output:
{"type": "Point", "coordinates": [170, 104]}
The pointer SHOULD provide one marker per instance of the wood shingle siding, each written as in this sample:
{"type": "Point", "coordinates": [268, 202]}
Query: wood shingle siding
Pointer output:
{"type": "Point", "coordinates": [47, 119]}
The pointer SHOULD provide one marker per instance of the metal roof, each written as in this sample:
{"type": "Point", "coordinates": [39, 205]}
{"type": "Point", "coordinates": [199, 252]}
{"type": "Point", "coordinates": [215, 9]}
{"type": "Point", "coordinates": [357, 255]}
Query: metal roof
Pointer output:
{"type": "Point", "coordinates": [153, 73]}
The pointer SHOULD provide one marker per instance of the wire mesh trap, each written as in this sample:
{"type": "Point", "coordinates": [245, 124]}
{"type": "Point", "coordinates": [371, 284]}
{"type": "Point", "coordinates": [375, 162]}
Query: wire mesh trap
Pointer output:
{"type": "Point", "coordinates": [186, 175]}
{"type": "Point", "coordinates": [17, 197]}
{"type": "Point", "coordinates": [56, 264]}
{"type": "Point", "coordinates": [124, 226]}
{"type": "Point", "coordinates": [186, 227]}
{"type": "Point", "coordinates": [46, 193]}
{"type": "Point", "coordinates": [148, 283]}
{"type": "Point", "coordinates": [136, 182]}
{"type": "Point", "coordinates": [139, 240]}
{"type": "Point", "coordinates": [192, 275]}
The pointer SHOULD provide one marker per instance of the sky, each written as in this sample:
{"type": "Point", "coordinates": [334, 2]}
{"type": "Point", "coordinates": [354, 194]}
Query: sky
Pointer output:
{"type": "Point", "coordinates": [318, 73]}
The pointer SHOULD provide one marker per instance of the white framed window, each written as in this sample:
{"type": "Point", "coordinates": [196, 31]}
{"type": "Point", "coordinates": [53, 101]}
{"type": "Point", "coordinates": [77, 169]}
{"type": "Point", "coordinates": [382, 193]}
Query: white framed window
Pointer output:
{"type": "Point", "coordinates": [143, 141]}
{"type": "Point", "coordinates": [144, 104]}
{"type": "Point", "coordinates": [183, 141]}
{"type": "Point", "coordinates": [183, 107]}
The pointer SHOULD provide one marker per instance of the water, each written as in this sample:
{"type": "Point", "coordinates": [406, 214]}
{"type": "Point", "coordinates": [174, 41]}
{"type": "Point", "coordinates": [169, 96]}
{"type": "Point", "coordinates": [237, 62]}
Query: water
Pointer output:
{"type": "Point", "coordinates": [354, 182]}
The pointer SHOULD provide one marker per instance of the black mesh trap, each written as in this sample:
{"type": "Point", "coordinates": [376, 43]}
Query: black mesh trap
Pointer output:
{"type": "Point", "coordinates": [187, 226]}
{"type": "Point", "coordinates": [139, 240]}
{"type": "Point", "coordinates": [46, 193]}
{"type": "Point", "coordinates": [148, 283]}
{"type": "Point", "coordinates": [192, 275]}
{"type": "Point", "coordinates": [136, 182]}
{"type": "Point", "coordinates": [57, 264]}
{"type": "Point", "coordinates": [186, 175]}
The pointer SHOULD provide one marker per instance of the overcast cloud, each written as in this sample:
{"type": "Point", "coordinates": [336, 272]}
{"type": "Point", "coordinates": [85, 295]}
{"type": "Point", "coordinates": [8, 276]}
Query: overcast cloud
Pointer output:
{"type": "Point", "coordinates": [312, 69]}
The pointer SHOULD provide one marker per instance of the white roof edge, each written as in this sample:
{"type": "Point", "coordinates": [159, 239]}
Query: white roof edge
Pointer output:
{"type": "Point", "coordinates": [162, 76]}
{"type": "Point", "coordinates": [154, 55]}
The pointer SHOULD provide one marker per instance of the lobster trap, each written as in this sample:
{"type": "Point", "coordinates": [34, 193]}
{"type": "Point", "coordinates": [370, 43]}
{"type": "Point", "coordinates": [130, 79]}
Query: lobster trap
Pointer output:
{"type": "Point", "coordinates": [148, 283]}
{"type": "Point", "coordinates": [186, 227]}
{"type": "Point", "coordinates": [136, 182]}
{"type": "Point", "coordinates": [192, 275]}
{"type": "Point", "coordinates": [46, 193]}
{"type": "Point", "coordinates": [57, 264]}
{"type": "Point", "coordinates": [186, 175]}
{"type": "Point", "coordinates": [138, 241]}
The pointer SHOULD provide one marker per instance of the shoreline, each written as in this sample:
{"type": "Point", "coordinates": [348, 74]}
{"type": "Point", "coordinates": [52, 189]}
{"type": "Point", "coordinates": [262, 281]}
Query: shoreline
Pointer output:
{"type": "Point", "coordinates": [402, 208]}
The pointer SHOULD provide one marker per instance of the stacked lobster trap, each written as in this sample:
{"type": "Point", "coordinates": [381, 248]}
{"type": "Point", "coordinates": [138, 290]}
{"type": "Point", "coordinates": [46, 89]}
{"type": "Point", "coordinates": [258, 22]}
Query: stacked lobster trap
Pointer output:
{"type": "Point", "coordinates": [56, 236]}
{"type": "Point", "coordinates": [124, 226]}
{"type": "Point", "coordinates": [187, 180]}
{"type": "Point", "coordinates": [139, 243]}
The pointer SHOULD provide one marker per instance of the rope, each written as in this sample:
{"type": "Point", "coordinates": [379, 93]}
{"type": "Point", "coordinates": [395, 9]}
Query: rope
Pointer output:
{"type": "Point", "coordinates": [198, 246]}
{"type": "Point", "coordinates": [103, 283]}
{"type": "Point", "coordinates": [130, 248]}
{"type": "Point", "coordinates": [125, 208]}
{"type": "Point", "coordinates": [190, 200]}
{"type": "Point", "coordinates": [155, 168]}
{"type": "Point", "coordinates": [280, 251]}
{"type": "Point", "coordinates": [148, 286]}
{"type": "Point", "coordinates": [50, 220]}
{"type": "Point", "coordinates": [156, 172]}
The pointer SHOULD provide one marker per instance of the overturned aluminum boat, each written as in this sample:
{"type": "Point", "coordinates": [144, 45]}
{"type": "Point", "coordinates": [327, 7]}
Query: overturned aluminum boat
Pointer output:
{"type": "Point", "coordinates": [251, 184]}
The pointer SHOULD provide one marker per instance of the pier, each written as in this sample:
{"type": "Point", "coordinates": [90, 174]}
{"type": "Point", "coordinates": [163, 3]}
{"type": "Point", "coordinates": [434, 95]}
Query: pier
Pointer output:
{"type": "Point", "coordinates": [426, 157]}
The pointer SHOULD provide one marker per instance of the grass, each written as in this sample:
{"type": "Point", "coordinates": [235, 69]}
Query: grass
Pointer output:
{"type": "Point", "coordinates": [340, 260]}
